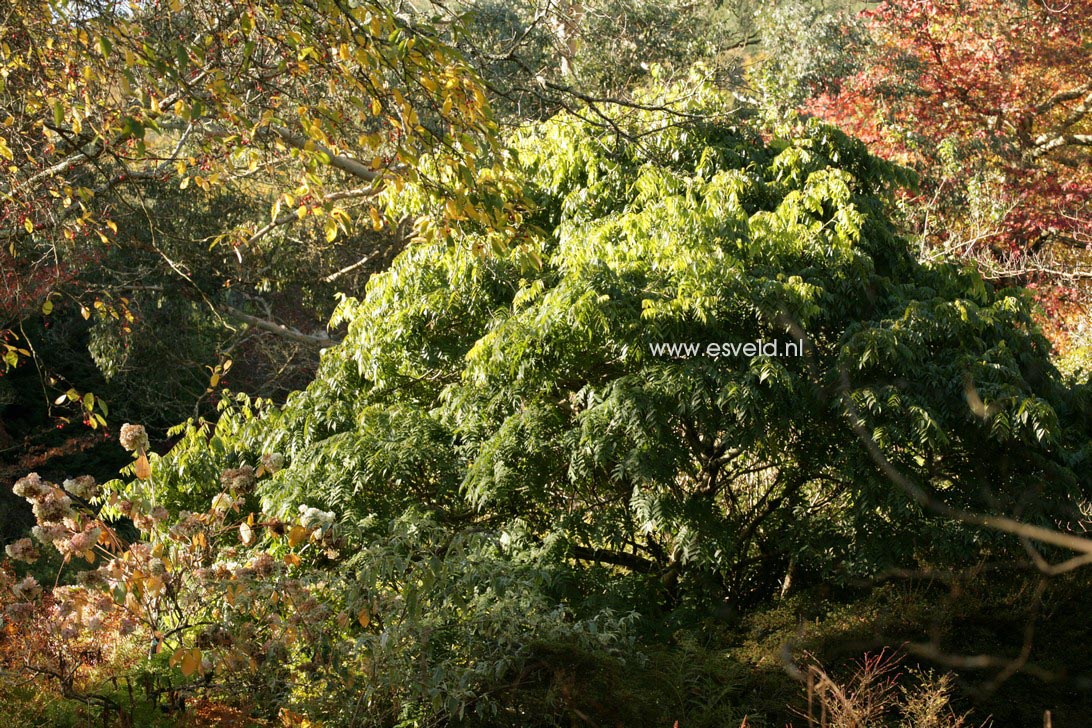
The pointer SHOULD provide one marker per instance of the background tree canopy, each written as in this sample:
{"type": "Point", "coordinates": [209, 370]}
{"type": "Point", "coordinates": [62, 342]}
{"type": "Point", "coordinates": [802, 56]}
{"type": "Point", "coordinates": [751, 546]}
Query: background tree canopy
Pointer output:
{"type": "Point", "coordinates": [213, 170]}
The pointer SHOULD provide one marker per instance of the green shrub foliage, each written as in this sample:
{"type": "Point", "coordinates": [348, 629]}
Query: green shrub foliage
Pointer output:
{"type": "Point", "coordinates": [499, 424]}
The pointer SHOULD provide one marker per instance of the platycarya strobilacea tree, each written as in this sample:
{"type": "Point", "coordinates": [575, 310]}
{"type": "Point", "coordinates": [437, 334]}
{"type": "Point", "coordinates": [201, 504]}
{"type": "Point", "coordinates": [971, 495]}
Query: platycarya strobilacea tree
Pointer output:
{"type": "Point", "coordinates": [525, 385]}
{"type": "Point", "coordinates": [499, 454]}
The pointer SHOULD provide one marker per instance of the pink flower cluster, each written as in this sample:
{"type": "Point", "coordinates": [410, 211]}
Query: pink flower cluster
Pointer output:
{"type": "Point", "coordinates": [77, 610]}
{"type": "Point", "coordinates": [59, 524]}
{"type": "Point", "coordinates": [81, 542]}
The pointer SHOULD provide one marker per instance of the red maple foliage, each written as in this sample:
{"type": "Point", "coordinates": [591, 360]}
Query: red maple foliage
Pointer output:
{"type": "Point", "coordinates": [991, 100]}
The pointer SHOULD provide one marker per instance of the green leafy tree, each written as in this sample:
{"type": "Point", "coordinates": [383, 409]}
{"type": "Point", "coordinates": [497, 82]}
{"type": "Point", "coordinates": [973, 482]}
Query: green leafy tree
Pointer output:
{"type": "Point", "coordinates": [525, 385]}
{"type": "Point", "coordinates": [191, 172]}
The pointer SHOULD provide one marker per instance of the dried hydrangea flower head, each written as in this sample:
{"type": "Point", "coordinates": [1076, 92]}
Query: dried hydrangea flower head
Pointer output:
{"type": "Point", "coordinates": [22, 550]}
{"type": "Point", "coordinates": [49, 533]}
{"type": "Point", "coordinates": [56, 506]}
{"type": "Point", "coordinates": [32, 487]}
{"type": "Point", "coordinates": [238, 479]}
{"type": "Point", "coordinates": [133, 438]}
{"type": "Point", "coordinates": [272, 462]}
{"type": "Point", "coordinates": [83, 487]}
{"type": "Point", "coordinates": [27, 589]}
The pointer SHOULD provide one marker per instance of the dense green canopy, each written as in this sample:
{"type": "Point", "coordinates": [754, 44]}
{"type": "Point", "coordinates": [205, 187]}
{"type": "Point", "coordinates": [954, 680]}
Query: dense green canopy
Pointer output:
{"type": "Point", "coordinates": [524, 386]}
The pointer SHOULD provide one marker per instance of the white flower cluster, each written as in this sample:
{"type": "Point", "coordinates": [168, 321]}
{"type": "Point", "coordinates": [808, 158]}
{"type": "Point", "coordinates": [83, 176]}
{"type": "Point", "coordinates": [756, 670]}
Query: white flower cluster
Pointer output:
{"type": "Point", "coordinates": [49, 533]}
{"type": "Point", "coordinates": [82, 487]}
{"type": "Point", "coordinates": [223, 502]}
{"type": "Point", "coordinates": [314, 518]}
{"type": "Point", "coordinates": [49, 502]}
{"type": "Point", "coordinates": [77, 611]}
{"type": "Point", "coordinates": [133, 438]}
{"type": "Point", "coordinates": [272, 462]}
{"type": "Point", "coordinates": [58, 524]}
{"type": "Point", "coordinates": [56, 506]}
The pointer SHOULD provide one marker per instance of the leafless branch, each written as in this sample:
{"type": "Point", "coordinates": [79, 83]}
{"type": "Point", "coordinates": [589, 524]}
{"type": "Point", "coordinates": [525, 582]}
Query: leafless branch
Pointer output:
{"type": "Point", "coordinates": [279, 329]}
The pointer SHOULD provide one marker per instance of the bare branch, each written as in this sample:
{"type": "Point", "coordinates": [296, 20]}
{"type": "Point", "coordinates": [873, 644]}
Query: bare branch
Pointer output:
{"type": "Point", "coordinates": [345, 163]}
{"type": "Point", "coordinates": [278, 329]}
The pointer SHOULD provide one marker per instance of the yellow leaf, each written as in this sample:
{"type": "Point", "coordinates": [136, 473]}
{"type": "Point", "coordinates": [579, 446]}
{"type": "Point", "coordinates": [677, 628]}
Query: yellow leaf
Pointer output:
{"type": "Point", "coordinates": [364, 617]}
{"type": "Point", "coordinates": [191, 661]}
{"type": "Point", "coordinates": [377, 108]}
{"type": "Point", "coordinates": [176, 657]}
{"type": "Point", "coordinates": [142, 468]}
{"type": "Point", "coordinates": [290, 560]}
{"type": "Point", "coordinates": [47, 307]}
{"type": "Point", "coordinates": [296, 536]}
{"type": "Point", "coordinates": [331, 230]}
{"type": "Point", "coordinates": [28, 225]}
{"type": "Point", "coordinates": [5, 151]}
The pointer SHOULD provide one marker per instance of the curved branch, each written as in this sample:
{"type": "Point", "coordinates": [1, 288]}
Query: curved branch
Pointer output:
{"type": "Point", "coordinates": [279, 329]}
